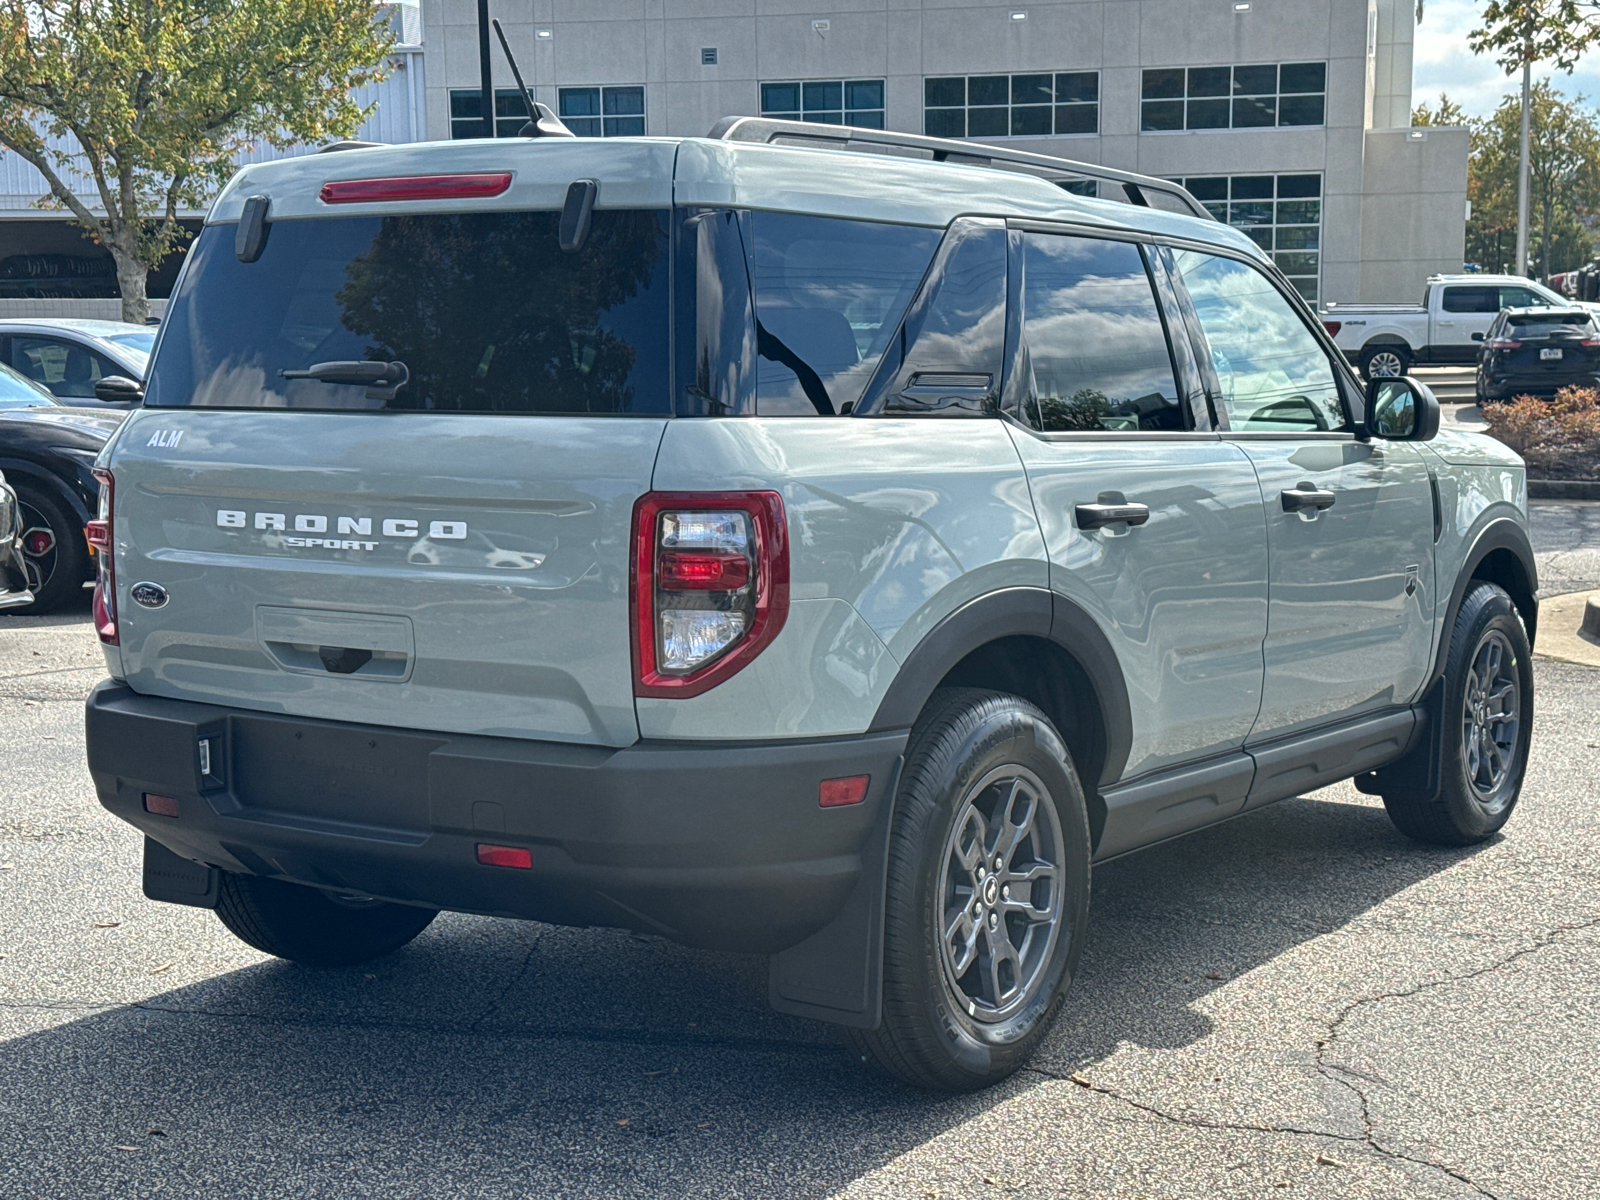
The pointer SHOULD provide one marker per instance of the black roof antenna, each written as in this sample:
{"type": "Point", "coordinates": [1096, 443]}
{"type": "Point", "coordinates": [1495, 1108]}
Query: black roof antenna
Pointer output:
{"type": "Point", "coordinates": [542, 122]}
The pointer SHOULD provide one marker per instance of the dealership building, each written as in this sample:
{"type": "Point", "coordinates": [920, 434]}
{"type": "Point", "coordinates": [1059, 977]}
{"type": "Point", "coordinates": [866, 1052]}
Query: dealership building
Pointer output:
{"type": "Point", "coordinates": [1287, 118]}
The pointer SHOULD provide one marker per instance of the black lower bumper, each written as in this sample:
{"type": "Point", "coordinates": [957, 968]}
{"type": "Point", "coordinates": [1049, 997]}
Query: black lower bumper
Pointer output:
{"type": "Point", "coordinates": [722, 846]}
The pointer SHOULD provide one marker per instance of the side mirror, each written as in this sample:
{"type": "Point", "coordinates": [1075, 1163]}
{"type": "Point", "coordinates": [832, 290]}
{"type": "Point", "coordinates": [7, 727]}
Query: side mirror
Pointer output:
{"type": "Point", "coordinates": [118, 389]}
{"type": "Point", "coordinates": [1402, 410]}
{"type": "Point", "coordinates": [1477, 337]}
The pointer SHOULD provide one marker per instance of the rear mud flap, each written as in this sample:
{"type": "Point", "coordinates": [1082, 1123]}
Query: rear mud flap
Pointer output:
{"type": "Point", "coordinates": [836, 974]}
{"type": "Point", "coordinates": [176, 880]}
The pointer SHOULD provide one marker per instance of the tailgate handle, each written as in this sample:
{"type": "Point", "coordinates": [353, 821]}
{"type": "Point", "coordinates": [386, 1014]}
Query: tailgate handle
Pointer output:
{"type": "Point", "coordinates": [343, 660]}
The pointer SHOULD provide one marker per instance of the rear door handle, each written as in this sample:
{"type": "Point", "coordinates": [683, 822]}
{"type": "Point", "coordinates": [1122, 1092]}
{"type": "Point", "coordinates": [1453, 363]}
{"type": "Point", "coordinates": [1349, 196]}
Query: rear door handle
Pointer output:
{"type": "Point", "coordinates": [1093, 516]}
{"type": "Point", "coordinates": [1305, 496]}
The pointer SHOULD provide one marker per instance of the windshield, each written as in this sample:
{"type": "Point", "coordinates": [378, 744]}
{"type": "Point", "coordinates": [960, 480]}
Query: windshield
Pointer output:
{"type": "Point", "coordinates": [485, 310]}
{"type": "Point", "coordinates": [18, 391]}
{"type": "Point", "coordinates": [137, 344]}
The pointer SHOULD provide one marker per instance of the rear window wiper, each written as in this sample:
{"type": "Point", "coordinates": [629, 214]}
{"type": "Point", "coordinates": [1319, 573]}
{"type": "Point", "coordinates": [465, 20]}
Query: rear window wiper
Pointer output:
{"type": "Point", "coordinates": [382, 379]}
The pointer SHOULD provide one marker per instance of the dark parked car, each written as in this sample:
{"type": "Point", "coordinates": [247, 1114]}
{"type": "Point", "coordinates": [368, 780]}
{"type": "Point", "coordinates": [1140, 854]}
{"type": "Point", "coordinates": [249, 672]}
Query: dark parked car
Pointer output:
{"type": "Point", "coordinates": [47, 451]}
{"type": "Point", "coordinates": [1537, 352]}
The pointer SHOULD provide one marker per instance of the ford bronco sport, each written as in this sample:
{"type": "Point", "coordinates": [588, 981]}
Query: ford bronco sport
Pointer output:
{"type": "Point", "coordinates": [817, 542]}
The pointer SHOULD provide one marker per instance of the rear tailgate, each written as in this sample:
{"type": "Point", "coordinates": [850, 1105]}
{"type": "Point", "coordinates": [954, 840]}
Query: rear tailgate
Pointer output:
{"type": "Point", "coordinates": [481, 561]}
{"type": "Point", "coordinates": [443, 550]}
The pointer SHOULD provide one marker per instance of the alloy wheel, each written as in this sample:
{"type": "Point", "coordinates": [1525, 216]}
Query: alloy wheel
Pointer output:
{"type": "Point", "coordinates": [39, 548]}
{"type": "Point", "coordinates": [1000, 891]}
{"type": "Point", "coordinates": [1491, 721]}
{"type": "Point", "coordinates": [1385, 364]}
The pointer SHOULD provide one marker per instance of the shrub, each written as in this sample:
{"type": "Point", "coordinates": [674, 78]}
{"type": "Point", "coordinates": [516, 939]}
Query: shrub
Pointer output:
{"type": "Point", "coordinates": [1556, 437]}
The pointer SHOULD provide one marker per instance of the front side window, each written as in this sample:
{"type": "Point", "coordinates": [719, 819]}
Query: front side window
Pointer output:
{"type": "Point", "coordinates": [1518, 297]}
{"type": "Point", "coordinates": [66, 368]}
{"type": "Point", "coordinates": [1039, 104]}
{"type": "Point", "coordinates": [485, 310]}
{"type": "Point", "coordinates": [1243, 97]}
{"type": "Point", "coordinates": [602, 111]}
{"type": "Point", "coordinates": [1271, 371]}
{"type": "Point", "coordinates": [829, 295]}
{"type": "Point", "coordinates": [857, 102]}
{"type": "Point", "coordinates": [1097, 352]}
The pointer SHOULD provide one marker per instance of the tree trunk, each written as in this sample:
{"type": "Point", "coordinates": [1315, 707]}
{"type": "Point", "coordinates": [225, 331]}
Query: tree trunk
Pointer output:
{"type": "Point", "coordinates": [1544, 239]}
{"type": "Point", "coordinates": [131, 277]}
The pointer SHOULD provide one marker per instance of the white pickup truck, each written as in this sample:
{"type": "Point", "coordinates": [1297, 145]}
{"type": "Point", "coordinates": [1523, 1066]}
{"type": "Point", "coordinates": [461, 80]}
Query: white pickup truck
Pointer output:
{"type": "Point", "coordinates": [1384, 340]}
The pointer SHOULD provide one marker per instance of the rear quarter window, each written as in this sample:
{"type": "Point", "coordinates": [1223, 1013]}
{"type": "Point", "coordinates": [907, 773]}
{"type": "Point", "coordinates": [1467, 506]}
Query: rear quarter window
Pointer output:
{"type": "Point", "coordinates": [486, 310]}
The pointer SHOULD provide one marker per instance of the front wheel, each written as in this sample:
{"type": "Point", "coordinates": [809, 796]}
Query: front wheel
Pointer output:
{"type": "Point", "coordinates": [988, 893]}
{"type": "Point", "coordinates": [1486, 729]}
{"type": "Point", "coordinates": [317, 928]}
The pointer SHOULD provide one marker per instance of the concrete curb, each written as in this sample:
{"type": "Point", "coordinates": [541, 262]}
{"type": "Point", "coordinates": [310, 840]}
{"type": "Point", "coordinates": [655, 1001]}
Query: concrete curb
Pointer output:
{"type": "Point", "coordinates": [1563, 489]}
{"type": "Point", "coordinates": [1569, 628]}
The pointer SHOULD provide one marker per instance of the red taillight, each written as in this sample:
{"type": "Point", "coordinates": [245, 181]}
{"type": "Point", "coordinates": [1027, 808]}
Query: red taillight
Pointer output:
{"type": "Point", "coordinates": [162, 806]}
{"type": "Point", "coordinates": [1504, 344]}
{"type": "Point", "coordinates": [99, 533]}
{"type": "Point", "coordinates": [710, 586]}
{"type": "Point", "coordinates": [505, 856]}
{"type": "Point", "coordinates": [1333, 327]}
{"type": "Point", "coordinates": [1590, 343]}
{"type": "Point", "coordinates": [835, 793]}
{"type": "Point", "coordinates": [415, 187]}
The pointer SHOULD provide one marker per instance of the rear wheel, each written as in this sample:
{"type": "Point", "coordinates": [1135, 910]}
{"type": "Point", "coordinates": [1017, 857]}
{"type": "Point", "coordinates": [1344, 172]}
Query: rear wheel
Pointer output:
{"type": "Point", "coordinates": [1385, 362]}
{"type": "Point", "coordinates": [54, 553]}
{"type": "Point", "coordinates": [1486, 727]}
{"type": "Point", "coordinates": [988, 893]}
{"type": "Point", "coordinates": [317, 928]}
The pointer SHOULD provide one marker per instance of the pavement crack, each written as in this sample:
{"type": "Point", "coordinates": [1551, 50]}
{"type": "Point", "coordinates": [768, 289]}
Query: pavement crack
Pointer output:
{"type": "Point", "coordinates": [1348, 1078]}
{"type": "Point", "coordinates": [521, 972]}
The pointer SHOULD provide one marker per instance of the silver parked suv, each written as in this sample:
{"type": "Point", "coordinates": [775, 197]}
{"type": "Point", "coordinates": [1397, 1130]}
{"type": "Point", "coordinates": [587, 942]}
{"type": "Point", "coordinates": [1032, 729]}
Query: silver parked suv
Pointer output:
{"type": "Point", "coordinates": [816, 542]}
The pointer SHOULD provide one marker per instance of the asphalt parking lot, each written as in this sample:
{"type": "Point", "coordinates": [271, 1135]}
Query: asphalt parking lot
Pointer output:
{"type": "Point", "coordinates": [1300, 1002]}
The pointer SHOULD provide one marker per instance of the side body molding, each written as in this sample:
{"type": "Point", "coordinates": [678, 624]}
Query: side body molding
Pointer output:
{"type": "Point", "coordinates": [1014, 612]}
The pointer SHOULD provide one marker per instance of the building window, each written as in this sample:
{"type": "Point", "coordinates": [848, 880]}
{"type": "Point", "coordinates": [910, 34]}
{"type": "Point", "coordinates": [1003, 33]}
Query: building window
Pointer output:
{"type": "Point", "coordinates": [602, 111]}
{"type": "Point", "coordinates": [708, 56]}
{"type": "Point", "coordinates": [1280, 213]}
{"type": "Point", "coordinates": [466, 112]}
{"type": "Point", "coordinates": [1233, 97]}
{"type": "Point", "coordinates": [857, 102]}
{"type": "Point", "coordinates": [1063, 102]}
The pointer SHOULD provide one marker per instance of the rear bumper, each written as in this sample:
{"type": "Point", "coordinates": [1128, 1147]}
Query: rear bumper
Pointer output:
{"type": "Point", "coordinates": [722, 846]}
{"type": "Point", "coordinates": [1534, 383]}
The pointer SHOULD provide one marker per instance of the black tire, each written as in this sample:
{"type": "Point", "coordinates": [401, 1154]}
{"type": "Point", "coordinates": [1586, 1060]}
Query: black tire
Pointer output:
{"type": "Point", "coordinates": [57, 572]}
{"type": "Point", "coordinates": [309, 926]}
{"type": "Point", "coordinates": [1384, 354]}
{"type": "Point", "coordinates": [1477, 791]}
{"type": "Point", "coordinates": [938, 1031]}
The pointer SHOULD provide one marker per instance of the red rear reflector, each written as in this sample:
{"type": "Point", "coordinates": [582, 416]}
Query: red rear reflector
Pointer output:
{"type": "Point", "coordinates": [677, 570]}
{"type": "Point", "coordinates": [99, 535]}
{"type": "Point", "coordinates": [1333, 327]}
{"type": "Point", "coordinates": [162, 806]}
{"type": "Point", "coordinates": [835, 793]}
{"type": "Point", "coordinates": [505, 856]}
{"type": "Point", "coordinates": [415, 187]}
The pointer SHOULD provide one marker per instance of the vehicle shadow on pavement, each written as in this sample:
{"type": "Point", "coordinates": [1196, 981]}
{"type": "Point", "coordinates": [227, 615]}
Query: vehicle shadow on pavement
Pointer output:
{"type": "Point", "coordinates": [497, 1058]}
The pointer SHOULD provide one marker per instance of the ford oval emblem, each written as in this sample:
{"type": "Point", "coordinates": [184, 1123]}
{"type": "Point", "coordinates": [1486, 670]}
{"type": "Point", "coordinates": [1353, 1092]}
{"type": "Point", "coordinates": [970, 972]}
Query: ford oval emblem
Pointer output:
{"type": "Point", "coordinates": [149, 595]}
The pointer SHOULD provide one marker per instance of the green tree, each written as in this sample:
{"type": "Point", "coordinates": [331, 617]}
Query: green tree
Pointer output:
{"type": "Point", "coordinates": [134, 109]}
{"type": "Point", "coordinates": [1564, 178]}
{"type": "Point", "coordinates": [1518, 31]}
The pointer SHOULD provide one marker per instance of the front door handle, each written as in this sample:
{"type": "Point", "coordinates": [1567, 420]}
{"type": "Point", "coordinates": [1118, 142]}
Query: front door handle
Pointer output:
{"type": "Point", "coordinates": [1093, 516]}
{"type": "Point", "coordinates": [1304, 496]}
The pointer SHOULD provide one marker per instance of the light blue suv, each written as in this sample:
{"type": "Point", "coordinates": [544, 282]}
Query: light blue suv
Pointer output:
{"type": "Point", "coordinates": [817, 542]}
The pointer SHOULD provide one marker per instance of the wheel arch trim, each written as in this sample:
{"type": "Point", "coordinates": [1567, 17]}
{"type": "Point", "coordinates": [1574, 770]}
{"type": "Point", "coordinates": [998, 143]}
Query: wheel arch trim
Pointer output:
{"type": "Point", "coordinates": [1013, 612]}
{"type": "Point", "coordinates": [1501, 533]}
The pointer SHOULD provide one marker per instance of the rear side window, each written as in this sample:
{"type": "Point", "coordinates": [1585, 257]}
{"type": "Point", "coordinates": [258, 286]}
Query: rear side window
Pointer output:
{"type": "Point", "coordinates": [1272, 373]}
{"type": "Point", "coordinates": [485, 309]}
{"type": "Point", "coordinates": [1096, 346]}
{"type": "Point", "coordinates": [1471, 300]}
{"type": "Point", "coordinates": [829, 295]}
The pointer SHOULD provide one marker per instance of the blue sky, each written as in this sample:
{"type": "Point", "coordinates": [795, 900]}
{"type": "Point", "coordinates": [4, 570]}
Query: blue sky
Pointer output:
{"type": "Point", "coordinates": [1443, 63]}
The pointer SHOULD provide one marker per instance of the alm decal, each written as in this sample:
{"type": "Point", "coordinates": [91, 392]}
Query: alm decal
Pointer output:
{"type": "Point", "coordinates": [165, 438]}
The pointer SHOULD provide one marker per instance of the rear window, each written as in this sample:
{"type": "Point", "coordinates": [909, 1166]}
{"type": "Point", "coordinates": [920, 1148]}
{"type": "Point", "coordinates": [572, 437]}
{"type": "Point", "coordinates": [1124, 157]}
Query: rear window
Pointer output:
{"type": "Point", "coordinates": [485, 310]}
{"type": "Point", "coordinates": [1544, 324]}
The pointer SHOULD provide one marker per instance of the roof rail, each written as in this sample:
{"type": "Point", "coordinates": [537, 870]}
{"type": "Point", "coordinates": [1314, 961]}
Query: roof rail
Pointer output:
{"type": "Point", "coordinates": [771, 130]}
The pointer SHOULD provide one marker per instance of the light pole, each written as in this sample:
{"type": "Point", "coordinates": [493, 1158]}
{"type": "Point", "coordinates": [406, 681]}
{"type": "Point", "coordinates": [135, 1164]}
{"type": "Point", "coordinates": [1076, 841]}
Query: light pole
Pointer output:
{"type": "Point", "coordinates": [487, 74]}
{"type": "Point", "coordinates": [1522, 162]}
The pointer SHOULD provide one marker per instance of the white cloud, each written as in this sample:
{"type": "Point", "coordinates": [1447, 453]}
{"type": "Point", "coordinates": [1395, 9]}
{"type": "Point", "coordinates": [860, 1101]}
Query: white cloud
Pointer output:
{"type": "Point", "coordinates": [1442, 62]}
